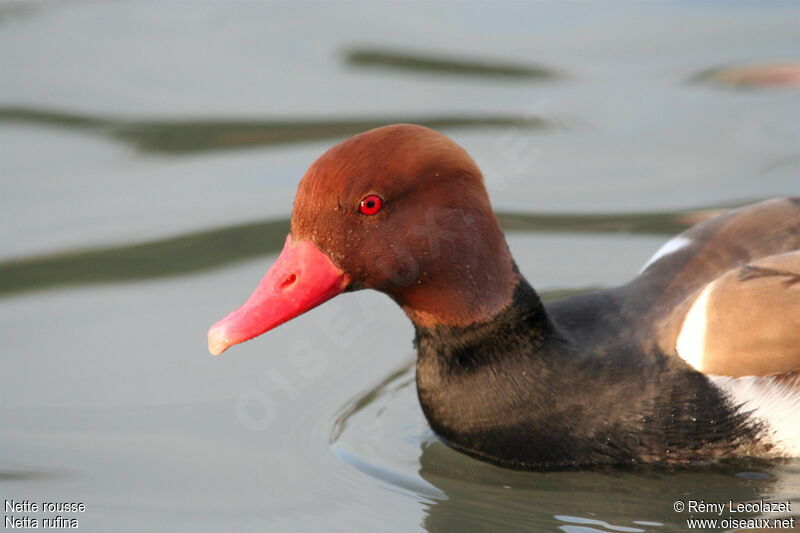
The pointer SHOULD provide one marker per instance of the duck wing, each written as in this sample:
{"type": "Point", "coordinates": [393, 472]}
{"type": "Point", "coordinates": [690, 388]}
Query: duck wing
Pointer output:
{"type": "Point", "coordinates": [725, 294]}
{"type": "Point", "coordinates": [747, 321]}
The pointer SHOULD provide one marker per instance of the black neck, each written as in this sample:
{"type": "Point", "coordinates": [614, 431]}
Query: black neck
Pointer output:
{"type": "Point", "coordinates": [516, 391]}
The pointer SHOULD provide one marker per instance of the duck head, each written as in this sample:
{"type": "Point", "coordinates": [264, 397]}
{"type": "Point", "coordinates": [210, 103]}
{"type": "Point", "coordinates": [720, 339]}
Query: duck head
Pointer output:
{"type": "Point", "coordinates": [401, 209]}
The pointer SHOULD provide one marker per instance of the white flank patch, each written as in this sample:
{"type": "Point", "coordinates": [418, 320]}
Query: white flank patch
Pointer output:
{"type": "Point", "coordinates": [769, 401]}
{"type": "Point", "coordinates": [691, 342]}
{"type": "Point", "coordinates": [669, 247]}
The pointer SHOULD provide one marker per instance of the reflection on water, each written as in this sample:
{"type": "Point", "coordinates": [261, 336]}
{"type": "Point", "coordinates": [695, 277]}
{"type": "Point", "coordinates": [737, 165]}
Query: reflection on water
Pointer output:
{"type": "Point", "coordinates": [754, 76]}
{"type": "Point", "coordinates": [193, 135]}
{"type": "Point", "coordinates": [204, 250]}
{"type": "Point", "coordinates": [24, 475]}
{"type": "Point", "coordinates": [383, 434]}
{"type": "Point", "coordinates": [431, 63]}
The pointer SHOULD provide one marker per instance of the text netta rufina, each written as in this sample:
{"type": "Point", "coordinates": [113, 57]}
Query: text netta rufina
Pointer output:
{"type": "Point", "coordinates": [697, 358]}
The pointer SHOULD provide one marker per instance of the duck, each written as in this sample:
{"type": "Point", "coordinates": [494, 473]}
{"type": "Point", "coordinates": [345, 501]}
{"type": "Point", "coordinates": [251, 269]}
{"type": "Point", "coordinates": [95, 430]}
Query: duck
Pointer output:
{"type": "Point", "coordinates": [695, 360]}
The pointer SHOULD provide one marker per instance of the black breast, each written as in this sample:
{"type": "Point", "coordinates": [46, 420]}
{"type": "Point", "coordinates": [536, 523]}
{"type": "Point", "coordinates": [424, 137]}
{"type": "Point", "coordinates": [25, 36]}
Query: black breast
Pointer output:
{"type": "Point", "coordinates": [519, 392]}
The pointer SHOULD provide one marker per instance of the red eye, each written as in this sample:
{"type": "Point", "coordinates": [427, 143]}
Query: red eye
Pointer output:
{"type": "Point", "coordinates": [370, 204]}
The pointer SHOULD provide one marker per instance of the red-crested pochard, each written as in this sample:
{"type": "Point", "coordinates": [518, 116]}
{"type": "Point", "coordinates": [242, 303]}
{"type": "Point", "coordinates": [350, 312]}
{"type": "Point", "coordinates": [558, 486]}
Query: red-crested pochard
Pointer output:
{"type": "Point", "coordinates": [696, 359]}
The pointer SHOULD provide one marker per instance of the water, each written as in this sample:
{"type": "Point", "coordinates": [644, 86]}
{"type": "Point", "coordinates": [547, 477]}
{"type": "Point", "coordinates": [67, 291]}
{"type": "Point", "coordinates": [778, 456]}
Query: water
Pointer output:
{"type": "Point", "coordinates": [149, 155]}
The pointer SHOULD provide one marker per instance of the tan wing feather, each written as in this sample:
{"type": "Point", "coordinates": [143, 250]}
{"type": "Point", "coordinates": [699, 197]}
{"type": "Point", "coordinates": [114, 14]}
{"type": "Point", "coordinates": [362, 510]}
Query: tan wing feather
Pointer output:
{"type": "Point", "coordinates": [747, 322]}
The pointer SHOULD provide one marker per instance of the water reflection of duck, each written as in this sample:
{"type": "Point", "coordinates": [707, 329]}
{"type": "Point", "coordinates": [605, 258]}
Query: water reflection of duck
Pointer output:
{"type": "Point", "coordinates": [480, 497]}
{"type": "Point", "coordinates": [697, 358]}
{"type": "Point", "coordinates": [382, 434]}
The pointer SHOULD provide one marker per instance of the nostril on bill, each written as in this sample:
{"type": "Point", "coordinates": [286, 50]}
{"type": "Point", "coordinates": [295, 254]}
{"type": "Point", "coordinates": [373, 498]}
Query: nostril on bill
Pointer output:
{"type": "Point", "coordinates": [288, 282]}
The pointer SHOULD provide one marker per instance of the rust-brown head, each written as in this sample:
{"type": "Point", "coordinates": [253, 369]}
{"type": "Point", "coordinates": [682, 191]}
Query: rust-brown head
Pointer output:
{"type": "Point", "coordinates": [401, 209]}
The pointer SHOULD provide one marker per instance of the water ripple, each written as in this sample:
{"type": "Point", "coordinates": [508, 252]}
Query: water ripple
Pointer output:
{"type": "Point", "coordinates": [183, 136]}
{"type": "Point", "coordinates": [445, 65]}
{"type": "Point", "coordinates": [219, 247]}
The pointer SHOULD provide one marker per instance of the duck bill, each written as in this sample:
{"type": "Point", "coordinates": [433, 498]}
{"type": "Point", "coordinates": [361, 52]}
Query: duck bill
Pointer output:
{"type": "Point", "coordinates": [302, 278]}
